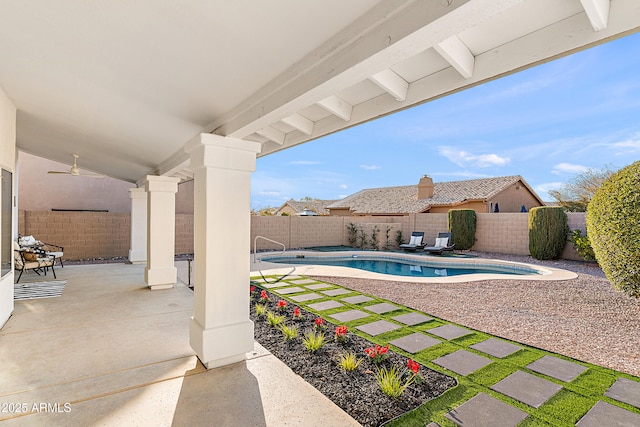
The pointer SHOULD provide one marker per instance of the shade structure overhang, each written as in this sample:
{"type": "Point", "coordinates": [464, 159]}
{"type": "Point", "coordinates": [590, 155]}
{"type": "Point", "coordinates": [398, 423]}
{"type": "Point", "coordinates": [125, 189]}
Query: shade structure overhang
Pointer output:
{"type": "Point", "coordinates": [127, 85]}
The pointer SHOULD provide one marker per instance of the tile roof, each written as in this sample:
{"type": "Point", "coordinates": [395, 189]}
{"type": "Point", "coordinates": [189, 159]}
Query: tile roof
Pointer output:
{"type": "Point", "coordinates": [317, 206]}
{"type": "Point", "coordinates": [404, 199]}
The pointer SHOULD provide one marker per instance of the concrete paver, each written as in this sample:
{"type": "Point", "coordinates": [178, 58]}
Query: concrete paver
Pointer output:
{"type": "Point", "coordinates": [496, 347]}
{"type": "Point", "coordinates": [557, 368]}
{"type": "Point", "coordinates": [527, 388]}
{"type": "Point", "coordinates": [483, 410]}
{"type": "Point", "coordinates": [624, 390]}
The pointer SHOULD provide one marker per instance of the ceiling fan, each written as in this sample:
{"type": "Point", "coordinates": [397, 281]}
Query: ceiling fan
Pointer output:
{"type": "Point", "coordinates": [75, 171]}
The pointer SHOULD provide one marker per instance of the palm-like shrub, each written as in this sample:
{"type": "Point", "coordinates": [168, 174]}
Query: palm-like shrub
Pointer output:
{"type": "Point", "coordinates": [548, 231]}
{"type": "Point", "coordinates": [613, 225]}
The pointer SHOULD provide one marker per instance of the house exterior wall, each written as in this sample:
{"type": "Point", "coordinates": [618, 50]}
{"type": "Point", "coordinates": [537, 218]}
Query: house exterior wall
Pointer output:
{"type": "Point", "coordinates": [511, 199]}
{"type": "Point", "coordinates": [7, 161]}
{"type": "Point", "coordinates": [340, 212]}
{"type": "Point", "coordinates": [88, 235]}
{"type": "Point", "coordinates": [286, 209]}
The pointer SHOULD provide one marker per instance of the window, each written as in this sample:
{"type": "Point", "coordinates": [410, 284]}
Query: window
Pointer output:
{"type": "Point", "coordinates": [6, 216]}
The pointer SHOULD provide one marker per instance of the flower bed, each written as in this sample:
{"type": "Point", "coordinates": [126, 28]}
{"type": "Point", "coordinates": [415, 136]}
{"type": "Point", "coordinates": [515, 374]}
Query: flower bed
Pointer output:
{"type": "Point", "coordinates": [357, 392]}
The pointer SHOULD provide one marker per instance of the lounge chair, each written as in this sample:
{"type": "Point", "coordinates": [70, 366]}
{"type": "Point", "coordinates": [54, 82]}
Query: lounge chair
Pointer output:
{"type": "Point", "coordinates": [415, 242]}
{"type": "Point", "coordinates": [442, 244]}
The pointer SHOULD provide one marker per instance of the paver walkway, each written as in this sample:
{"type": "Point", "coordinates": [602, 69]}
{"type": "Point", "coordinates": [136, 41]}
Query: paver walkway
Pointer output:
{"type": "Point", "coordinates": [506, 383]}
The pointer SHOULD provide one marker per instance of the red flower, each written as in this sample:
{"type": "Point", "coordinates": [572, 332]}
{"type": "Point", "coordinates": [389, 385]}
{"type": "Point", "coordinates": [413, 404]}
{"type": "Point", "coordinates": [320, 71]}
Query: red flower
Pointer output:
{"type": "Point", "coordinates": [264, 296]}
{"type": "Point", "coordinates": [252, 289]}
{"type": "Point", "coordinates": [414, 366]}
{"type": "Point", "coordinates": [377, 353]}
{"type": "Point", "coordinates": [282, 303]}
{"type": "Point", "coordinates": [341, 333]}
{"type": "Point", "coordinates": [319, 321]}
{"type": "Point", "coordinates": [296, 312]}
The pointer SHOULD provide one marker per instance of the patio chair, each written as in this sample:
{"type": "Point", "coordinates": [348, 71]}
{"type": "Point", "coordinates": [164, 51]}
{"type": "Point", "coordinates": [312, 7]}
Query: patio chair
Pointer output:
{"type": "Point", "coordinates": [442, 244]}
{"type": "Point", "coordinates": [29, 259]}
{"type": "Point", "coordinates": [415, 242]}
{"type": "Point", "coordinates": [56, 250]}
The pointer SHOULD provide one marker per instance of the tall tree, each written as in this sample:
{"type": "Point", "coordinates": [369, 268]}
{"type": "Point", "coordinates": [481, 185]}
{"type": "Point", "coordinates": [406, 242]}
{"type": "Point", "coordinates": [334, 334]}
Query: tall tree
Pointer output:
{"type": "Point", "coordinates": [576, 195]}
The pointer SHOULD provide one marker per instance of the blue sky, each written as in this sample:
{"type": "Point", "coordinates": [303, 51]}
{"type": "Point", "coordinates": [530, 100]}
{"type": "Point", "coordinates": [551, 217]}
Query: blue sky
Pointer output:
{"type": "Point", "coordinates": [547, 123]}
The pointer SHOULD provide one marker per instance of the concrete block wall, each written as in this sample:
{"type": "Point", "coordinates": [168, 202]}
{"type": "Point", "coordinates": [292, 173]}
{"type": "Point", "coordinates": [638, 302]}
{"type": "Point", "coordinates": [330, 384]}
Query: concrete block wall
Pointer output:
{"type": "Point", "coordinates": [82, 234]}
{"type": "Point", "coordinates": [87, 235]}
{"type": "Point", "coordinates": [184, 234]}
{"type": "Point", "coordinates": [505, 233]}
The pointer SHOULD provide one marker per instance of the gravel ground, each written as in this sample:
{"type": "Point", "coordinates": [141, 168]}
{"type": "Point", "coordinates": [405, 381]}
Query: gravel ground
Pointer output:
{"type": "Point", "coordinates": [584, 318]}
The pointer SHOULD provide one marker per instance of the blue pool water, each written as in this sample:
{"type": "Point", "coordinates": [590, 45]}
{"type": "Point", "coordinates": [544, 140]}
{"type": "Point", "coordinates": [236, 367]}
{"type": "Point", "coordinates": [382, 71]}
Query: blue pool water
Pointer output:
{"type": "Point", "coordinates": [404, 267]}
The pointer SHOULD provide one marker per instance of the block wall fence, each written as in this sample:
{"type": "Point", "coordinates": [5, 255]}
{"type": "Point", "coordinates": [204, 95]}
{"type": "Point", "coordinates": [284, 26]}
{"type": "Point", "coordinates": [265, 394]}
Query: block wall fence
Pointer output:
{"type": "Point", "coordinates": [89, 235]}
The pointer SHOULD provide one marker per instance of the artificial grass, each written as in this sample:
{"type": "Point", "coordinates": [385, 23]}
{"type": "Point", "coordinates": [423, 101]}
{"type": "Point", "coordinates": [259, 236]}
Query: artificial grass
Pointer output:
{"type": "Point", "coordinates": [565, 408]}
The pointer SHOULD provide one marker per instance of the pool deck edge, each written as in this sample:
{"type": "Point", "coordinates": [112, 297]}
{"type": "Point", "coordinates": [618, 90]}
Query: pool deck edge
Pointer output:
{"type": "Point", "coordinates": [269, 268]}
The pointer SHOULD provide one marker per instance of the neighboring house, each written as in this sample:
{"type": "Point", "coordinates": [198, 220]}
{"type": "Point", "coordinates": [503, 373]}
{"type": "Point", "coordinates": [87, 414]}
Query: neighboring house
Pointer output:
{"type": "Point", "coordinates": [305, 208]}
{"type": "Point", "coordinates": [509, 193]}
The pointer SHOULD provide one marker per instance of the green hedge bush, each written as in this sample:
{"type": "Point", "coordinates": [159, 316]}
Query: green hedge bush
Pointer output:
{"type": "Point", "coordinates": [548, 231]}
{"type": "Point", "coordinates": [462, 226]}
{"type": "Point", "coordinates": [613, 225]}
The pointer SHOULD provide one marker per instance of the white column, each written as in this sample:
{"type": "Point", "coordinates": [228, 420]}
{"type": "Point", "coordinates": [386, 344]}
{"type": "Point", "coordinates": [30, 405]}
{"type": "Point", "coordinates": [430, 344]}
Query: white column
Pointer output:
{"type": "Point", "coordinates": [161, 272]}
{"type": "Point", "coordinates": [221, 331]}
{"type": "Point", "coordinates": [138, 248]}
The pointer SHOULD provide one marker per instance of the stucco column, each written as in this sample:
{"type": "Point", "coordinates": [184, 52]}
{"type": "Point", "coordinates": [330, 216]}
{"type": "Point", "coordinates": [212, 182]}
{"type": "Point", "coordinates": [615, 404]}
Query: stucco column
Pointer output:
{"type": "Point", "coordinates": [161, 272]}
{"type": "Point", "coordinates": [138, 247]}
{"type": "Point", "coordinates": [221, 331]}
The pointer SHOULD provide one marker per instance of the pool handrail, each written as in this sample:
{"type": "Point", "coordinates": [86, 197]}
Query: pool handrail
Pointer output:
{"type": "Point", "coordinates": [255, 243]}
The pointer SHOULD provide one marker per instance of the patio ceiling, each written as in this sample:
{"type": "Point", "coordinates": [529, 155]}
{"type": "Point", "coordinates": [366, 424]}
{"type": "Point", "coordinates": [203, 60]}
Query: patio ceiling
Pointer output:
{"type": "Point", "coordinates": [126, 84]}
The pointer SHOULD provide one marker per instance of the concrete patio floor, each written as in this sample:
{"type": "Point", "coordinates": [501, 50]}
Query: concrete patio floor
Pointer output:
{"type": "Point", "coordinates": [111, 352]}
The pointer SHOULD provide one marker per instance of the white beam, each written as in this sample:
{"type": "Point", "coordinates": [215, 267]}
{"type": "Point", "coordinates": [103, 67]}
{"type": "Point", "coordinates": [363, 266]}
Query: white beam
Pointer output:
{"type": "Point", "coordinates": [395, 85]}
{"type": "Point", "coordinates": [549, 43]}
{"type": "Point", "coordinates": [273, 134]}
{"type": "Point", "coordinates": [457, 54]}
{"type": "Point", "coordinates": [597, 12]}
{"type": "Point", "coordinates": [337, 107]}
{"type": "Point", "coordinates": [299, 122]}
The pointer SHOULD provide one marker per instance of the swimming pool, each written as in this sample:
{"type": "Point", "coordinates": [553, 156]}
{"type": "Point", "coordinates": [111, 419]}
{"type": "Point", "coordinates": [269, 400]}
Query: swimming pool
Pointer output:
{"type": "Point", "coordinates": [399, 266]}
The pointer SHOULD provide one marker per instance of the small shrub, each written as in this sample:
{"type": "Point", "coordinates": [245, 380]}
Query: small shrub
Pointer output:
{"type": "Point", "coordinates": [362, 238]}
{"type": "Point", "coordinates": [349, 361]}
{"type": "Point", "coordinates": [582, 245]}
{"type": "Point", "coordinates": [392, 382]}
{"type": "Point", "coordinates": [274, 319]}
{"type": "Point", "coordinates": [548, 231]}
{"type": "Point", "coordinates": [613, 226]}
{"type": "Point", "coordinates": [462, 226]}
{"type": "Point", "coordinates": [387, 242]}
{"type": "Point", "coordinates": [352, 234]}
{"type": "Point", "coordinates": [399, 238]}
{"type": "Point", "coordinates": [289, 332]}
{"type": "Point", "coordinates": [374, 241]}
{"type": "Point", "coordinates": [261, 310]}
{"type": "Point", "coordinates": [313, 340]}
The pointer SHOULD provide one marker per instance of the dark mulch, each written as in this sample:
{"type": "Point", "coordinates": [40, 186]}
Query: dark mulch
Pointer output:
{"type": "Point", "coordinates": [356, 392]}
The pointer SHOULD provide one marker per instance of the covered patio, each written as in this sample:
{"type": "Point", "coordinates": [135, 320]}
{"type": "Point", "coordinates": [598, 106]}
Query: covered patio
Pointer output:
{"type": "Point", "coordinates": [155, 93]}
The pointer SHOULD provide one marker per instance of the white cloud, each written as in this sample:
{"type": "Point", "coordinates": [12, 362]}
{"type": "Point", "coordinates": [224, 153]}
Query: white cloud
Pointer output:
{"type": "Point", "coordinates": [343, 186]}
{"type": "Point", "coordinates": [304, 162]}
{"type": "Point", "coordinates": [464, 158]}
{"type": "Point", "coordinates": [370, 167]}
{"type": "Point", "coordinates": [543, 189]}
{"type": "Point", "coordinates": [462, 174]}
{"type": "Point", "coordinates": [629, 145]}
{"type": "Point", "coordinates": [569, 168]}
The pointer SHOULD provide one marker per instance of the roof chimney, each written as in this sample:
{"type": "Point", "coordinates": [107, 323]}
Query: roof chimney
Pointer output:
{"type": "Point", "coordinates": [425, 187]}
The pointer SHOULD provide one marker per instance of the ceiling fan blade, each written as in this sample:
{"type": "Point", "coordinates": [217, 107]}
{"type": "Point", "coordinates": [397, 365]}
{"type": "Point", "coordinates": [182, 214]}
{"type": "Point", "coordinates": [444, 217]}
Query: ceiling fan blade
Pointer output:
{"type": "Point", "coordinates": [59, 172]}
